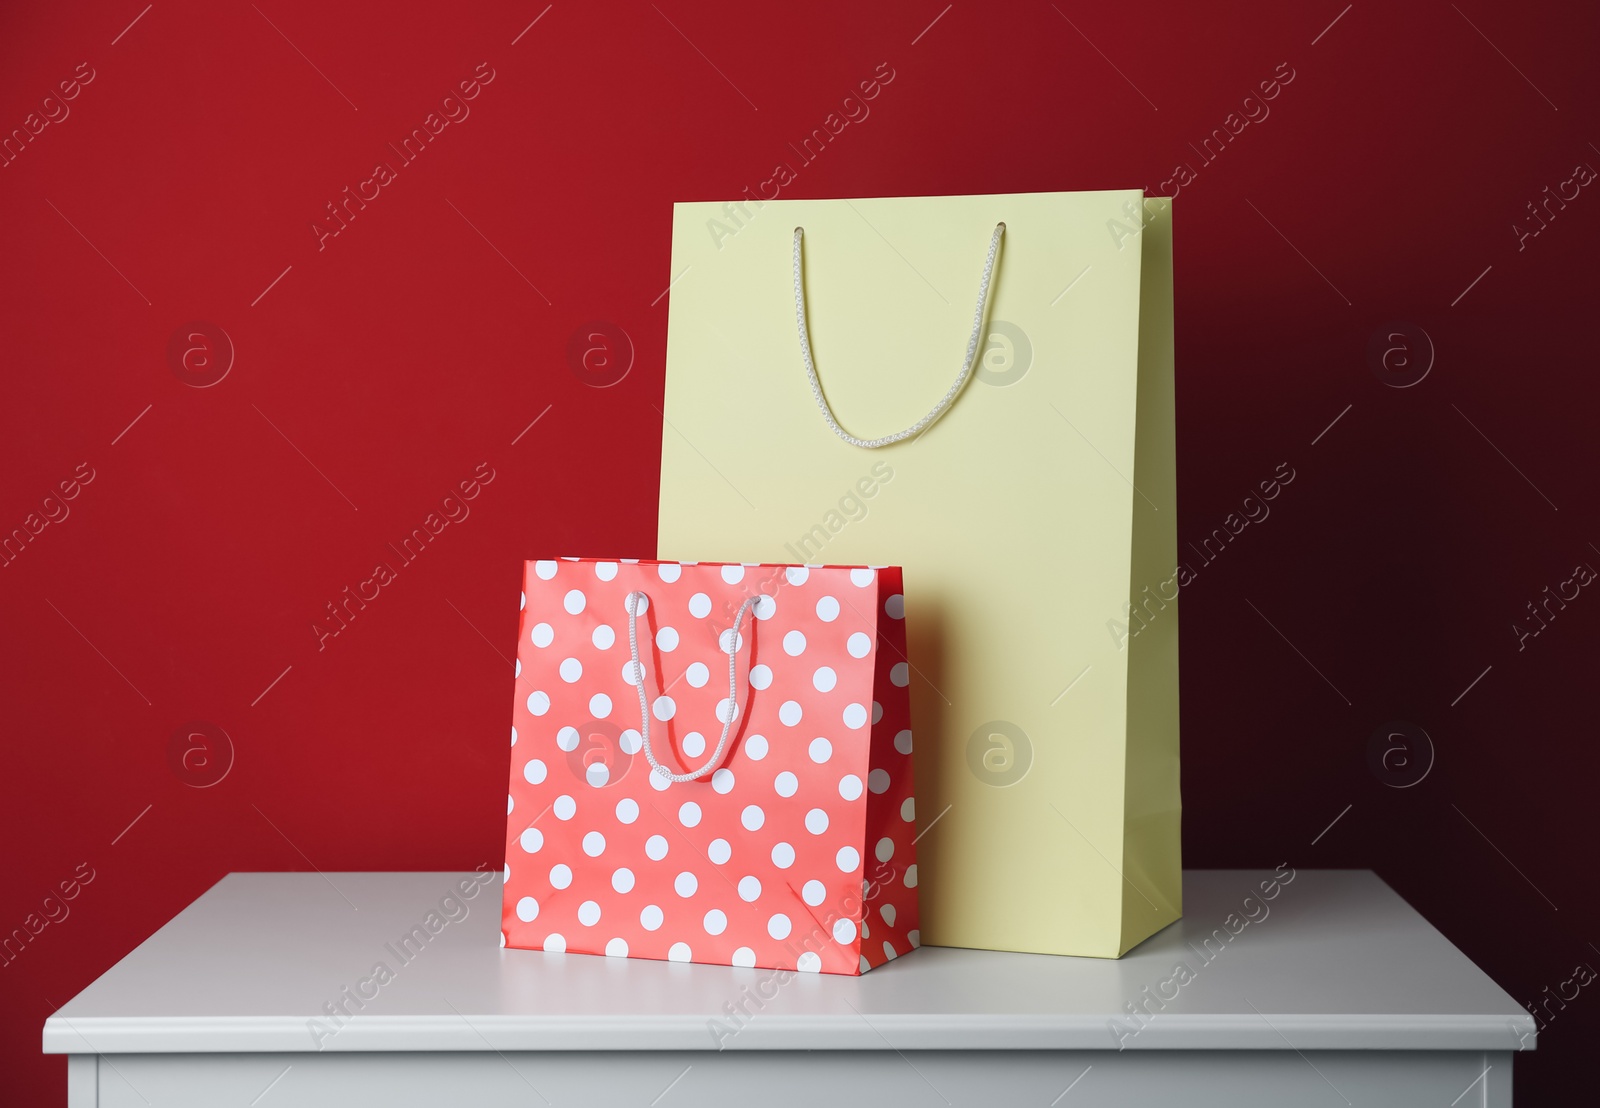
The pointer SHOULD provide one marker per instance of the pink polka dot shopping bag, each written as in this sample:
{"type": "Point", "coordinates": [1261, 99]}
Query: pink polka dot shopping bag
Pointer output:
{"type": "Point", "coordinates": [712, 763]}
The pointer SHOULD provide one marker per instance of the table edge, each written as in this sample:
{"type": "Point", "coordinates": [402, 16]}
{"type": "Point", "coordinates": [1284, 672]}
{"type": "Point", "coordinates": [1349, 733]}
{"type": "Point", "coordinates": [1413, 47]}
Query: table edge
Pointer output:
{"type": "Point", "coordinates": [600, 1034]}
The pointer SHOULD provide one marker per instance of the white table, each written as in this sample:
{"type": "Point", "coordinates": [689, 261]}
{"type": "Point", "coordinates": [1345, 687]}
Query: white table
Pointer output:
{"type": "Point", "coordinates": [1340, 993]}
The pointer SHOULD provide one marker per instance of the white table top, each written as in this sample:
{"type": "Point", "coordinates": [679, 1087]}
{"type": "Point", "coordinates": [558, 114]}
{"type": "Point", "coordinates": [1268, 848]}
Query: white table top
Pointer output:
{"type": "Point", "coordinates": [1338, 962]}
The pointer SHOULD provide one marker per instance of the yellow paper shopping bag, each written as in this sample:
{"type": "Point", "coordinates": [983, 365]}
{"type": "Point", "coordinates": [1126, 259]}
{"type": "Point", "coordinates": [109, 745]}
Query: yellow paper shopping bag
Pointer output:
{"type": "Point", "coordinates": [818, 409]}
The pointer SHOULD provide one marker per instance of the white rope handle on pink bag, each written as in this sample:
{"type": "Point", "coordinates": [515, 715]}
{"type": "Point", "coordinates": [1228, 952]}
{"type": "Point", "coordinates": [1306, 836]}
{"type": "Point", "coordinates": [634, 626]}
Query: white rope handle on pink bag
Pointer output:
{"type": "Point", "coordinates": [732, 639]}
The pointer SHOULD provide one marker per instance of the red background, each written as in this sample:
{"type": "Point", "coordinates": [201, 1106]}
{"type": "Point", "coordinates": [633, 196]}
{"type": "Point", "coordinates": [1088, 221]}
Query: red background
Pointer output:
{"type": "Point", "coordinates": [423, 340]}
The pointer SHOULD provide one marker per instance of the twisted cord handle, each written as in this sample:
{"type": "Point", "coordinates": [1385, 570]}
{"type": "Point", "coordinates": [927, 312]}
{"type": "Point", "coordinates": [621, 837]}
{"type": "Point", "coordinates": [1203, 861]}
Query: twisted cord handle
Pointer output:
{"type": "Point", "coordinates": [633, 606]}
{"type": "Point", "coordinates": [949, 397]}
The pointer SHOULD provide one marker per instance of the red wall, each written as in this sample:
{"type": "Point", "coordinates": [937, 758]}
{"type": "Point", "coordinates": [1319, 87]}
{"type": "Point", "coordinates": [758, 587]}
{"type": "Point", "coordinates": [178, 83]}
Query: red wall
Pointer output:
{"type": "Point", "coordinates": [373, 372]}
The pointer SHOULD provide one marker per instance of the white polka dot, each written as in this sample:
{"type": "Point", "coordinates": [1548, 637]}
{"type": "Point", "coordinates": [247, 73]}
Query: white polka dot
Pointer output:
{"type": "Point", "coordinates": [824, 679]}
{"type": "Point", "coordinates": [911, 876]}
{"type": "Point", "coordinates": [786, 784]}
{"type": "Point", "coordinates": [752, 817]}
{"type": "Point", "coordinates": [667, 640]}
{"type": "Point", "coordinates": [727, 710]}
{"type": "Point", "coordinates": [630, 741]}
{"type": "Point", "coordinates": [538, 703]}
{"type": "Point", "coordinates": [544, 570]}
{"type": "Point", "coordinates": [783, 855]}
{"type": "Point", "coordinates": [859, 645]}
{"type": "Point", "coordinates": [564, 807]}
{"type": "Point", "coordinates": [694, 744]}
{"type": "Point", "coordinates": [789, 712]}
{"type": "Point", "coordinates": [632, 671]}
{"type": "Point", "coordinates": [600, 705]}
{"type": "Point", "coordinates": [902, 742]}
{"type": "Point", "coordinates": [779, 926]}
{"type": "Point", "coordinates": [689, 814]}
{"type": "Point", "coordinates": [908, 809]}
{"type": "Point", "coordinates": [555, 943]}
{"type": "Point", "coordinates": [855, 716]}
{"type": "Point", "coordinates": [588, 913]}
{"type": "Point", "coordinates": [571, 670]}
{"type": "Point", "coordinates": [685, 884]}
{"type": "Point", "coordinates": [733, 574]}
{"type": "Point", "coordinates": [560, 876]}
{"type": "Point", "coordinates": [730, 641]}
{"type": "Point", "coordinates": [796, 575]}
{"type": "Point", "coordinates": [669, 571]}
{"type": "Point", "coordinates": [622, 880]}
{"type": "Point", "coordinates": [878, 781]}
{"type": "Point", "coordinates": [765, 608]}
{"type": "Point", "coordinates": [651, 917]}
{"type": "Point", "coordinates": [637, 603]}
{"type": "Point", "coordinates": [664, 708]}
{"type": "Point", "coordinates": [513, 736]}
{"type": "Point", "coordinates": [850, 786]}
{"type": "Point", "coordinates": [533, 771]}
{"type": "Point", "coordinates": [715, 922]}
{"type": "Point", "coordinates": [516, 669]}
{"type": "Point", "coordinates": [627, 810]}
{"type": "Point", "coordinates": [900, 675]}
{"type": "Point", "coordinates": [848, 859]}
{"type": "Point", "coordinates": [594, 844]}
{"type": "Point", "coordinates": [884, 849]}
{"type": "Point", "coordinates": [760, 677]}
{"type": "Point", "coordinates": [861, 578]}
{"type": "Point", "coordinates": [574, 601]}
{"type": "Point", "coordinates": [794, 644]}
{"type": "Point", "coordinates": [827, 609]}
{"type": "Point", "coordinates": [542, 635]}
{"type": "Point", "coordinates": [755, 747]}
{"type": "Point", "coordinates": [527, 909]}
{"type": "Point", "coordinates": [816, 821]}
{"type": "Point", "coordinates": [914, 937]}
{"type": "Point", "coordinates": [844, 931]}
{"type": "Point", "coordinates": [813, 892]}
{"type": "Point", "coordinates": [699, 605]}
{"type": "Point", "coordinates": [877, 711]}
{"type": "Point", "coordinates": [895, 606]}
{"type": "Point", "coordinates": [531, 840]}
{"type": "Point", "coordinates": [617, 948]}
{"type": "Point", "coordinates": [511, 803]}
{"type": "Point", "coordinates": [603, 637]}
{"type": "Point", "coordinates": [744, 958]}
{"type": "Point", "coordinates": [722, 781]}
{"type": "Point", "coordinates": [679, 952]}
{"type": "Point", "coordinates": [820, 750]}
{"type": "Point", "coordinates": [505, 878]}
{"type": "Point", "coordinates": [655, 847]}
{"type": "Point", "coordinates": [888, 913]}
{"type": "Point", "coordinates": [697, 675]}
{"type": "Point", "coordinates": [567, 738]}
{"type": "Point", "coordinates": [749, 888]}
{"type": "Point", "coordinates": [660, 782]}
{"type": "Point", "coordinates": [808, 962]}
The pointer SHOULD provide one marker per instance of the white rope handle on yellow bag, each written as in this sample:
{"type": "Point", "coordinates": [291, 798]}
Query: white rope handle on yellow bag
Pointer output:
{"type": "Point", "coordinates": [949, 397]}
{"type": "Point", "coordinates": [732, 639]}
